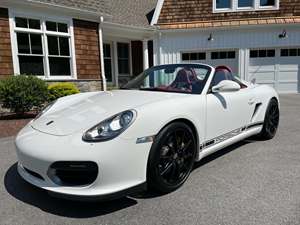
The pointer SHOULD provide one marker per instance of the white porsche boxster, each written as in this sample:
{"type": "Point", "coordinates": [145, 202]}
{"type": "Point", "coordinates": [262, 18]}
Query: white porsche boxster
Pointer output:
{"type": "Point", "coordinates": [149, 133]}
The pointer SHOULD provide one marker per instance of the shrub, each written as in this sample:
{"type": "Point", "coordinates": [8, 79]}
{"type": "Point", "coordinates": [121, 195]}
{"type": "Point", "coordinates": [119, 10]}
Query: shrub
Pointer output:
{"type": "Point", "coordinates": [59, 90]}
{"type": "Point", "coordinates": [22, 93]}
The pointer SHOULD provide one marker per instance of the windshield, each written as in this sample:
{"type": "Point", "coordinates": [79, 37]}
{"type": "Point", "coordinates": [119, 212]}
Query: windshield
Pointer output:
{"type": "Point", "coordinates": [180, 78]}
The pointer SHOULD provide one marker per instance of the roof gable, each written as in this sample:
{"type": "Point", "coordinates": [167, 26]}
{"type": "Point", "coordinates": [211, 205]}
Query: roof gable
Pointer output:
{"type": "Point", "coordinates": [128, 12]}
{"type": "Point", "coordinates": [132, 12]}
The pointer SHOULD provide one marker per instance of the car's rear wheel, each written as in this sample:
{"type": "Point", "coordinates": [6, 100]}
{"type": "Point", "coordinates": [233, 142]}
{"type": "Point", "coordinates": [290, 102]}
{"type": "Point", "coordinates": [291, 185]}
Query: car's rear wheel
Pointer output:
{"type": "Point", "coordinates": [171, 157]}
{"type": "Point", "coordinates": [271, 121]}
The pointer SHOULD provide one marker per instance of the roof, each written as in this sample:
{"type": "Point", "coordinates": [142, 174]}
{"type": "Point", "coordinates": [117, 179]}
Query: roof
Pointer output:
{"type": "Point", "coordinates": [132, 12]}
{"type": "Point", "coordinates": [96, 6]}
{"type": "Point", "coordinates": [128, 12]}
{"type": "Point", "coordinates": [230, 23]}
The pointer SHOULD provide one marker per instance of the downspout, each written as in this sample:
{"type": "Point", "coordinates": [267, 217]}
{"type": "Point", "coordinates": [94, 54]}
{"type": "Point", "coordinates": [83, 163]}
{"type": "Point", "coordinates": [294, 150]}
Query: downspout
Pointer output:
{"type": "Point", "coordinates": [101, 53]}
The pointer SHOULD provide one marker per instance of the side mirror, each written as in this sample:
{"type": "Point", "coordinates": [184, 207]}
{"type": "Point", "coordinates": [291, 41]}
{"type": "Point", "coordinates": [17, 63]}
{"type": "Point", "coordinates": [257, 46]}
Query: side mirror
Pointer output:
{"type": "Point", "coordinates": [226, 86]}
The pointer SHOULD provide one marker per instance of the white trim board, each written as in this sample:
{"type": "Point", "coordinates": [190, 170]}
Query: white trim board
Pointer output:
{"type": "Point", "coordinates": [157, 12]}
{"type": "Point", "coordinates": [234, 7]}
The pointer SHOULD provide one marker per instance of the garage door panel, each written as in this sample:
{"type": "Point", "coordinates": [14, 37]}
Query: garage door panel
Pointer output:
{"type": "Point", "coordinates": [280, 72]}
{"type": "Point", "coordinates": [262, 67]}
{"type": "Point", "coordinates": [232, 63]}
{"type": "Point", "coordinates": [287, 87]}
{"type": "Point", "coordinates": [288, 76]}
{"type": "Point", "coordinates": [263, 76]}
{"type": "Point", "coordinates": [289, 67]}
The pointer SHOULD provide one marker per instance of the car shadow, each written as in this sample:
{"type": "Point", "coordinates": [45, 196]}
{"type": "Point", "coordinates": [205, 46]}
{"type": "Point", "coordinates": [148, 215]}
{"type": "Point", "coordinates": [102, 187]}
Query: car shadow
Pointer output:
{"type": "Point", "coordinates": [25, 192]}
{"type": "Point", "coordinates": [202, 162]}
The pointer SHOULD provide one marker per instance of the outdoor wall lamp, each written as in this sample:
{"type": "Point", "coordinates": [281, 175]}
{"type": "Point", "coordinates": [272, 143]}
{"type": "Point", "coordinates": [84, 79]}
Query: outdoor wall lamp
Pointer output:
{"type": "Point", "coordinates": [210, 38]}
{"type": "Point", "coordinates": [283, 34]}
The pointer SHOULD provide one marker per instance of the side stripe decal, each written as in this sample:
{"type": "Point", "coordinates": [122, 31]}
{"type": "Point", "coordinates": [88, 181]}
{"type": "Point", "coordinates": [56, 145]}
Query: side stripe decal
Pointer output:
{"type": "Point", "coordinates": [229, 135]}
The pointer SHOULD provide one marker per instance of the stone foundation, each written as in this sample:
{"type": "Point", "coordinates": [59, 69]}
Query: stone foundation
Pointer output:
{"type": "Point", "coordinates": [83, 85]}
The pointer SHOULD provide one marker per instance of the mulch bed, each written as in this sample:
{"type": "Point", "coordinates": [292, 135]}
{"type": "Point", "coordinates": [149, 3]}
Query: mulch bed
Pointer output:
{"type": "Point", "coordinates": [11, 123]}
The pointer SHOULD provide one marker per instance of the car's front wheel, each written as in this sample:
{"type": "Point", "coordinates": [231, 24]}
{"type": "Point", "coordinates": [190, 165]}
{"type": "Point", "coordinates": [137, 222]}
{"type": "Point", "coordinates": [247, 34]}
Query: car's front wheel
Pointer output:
{"type": "Point", "coordinates": [171, 157]}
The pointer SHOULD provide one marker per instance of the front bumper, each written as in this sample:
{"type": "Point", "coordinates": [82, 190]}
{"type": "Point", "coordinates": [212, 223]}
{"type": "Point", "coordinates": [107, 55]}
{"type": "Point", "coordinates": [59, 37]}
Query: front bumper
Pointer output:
{"type": "Point", "coordinates": [122, 164]}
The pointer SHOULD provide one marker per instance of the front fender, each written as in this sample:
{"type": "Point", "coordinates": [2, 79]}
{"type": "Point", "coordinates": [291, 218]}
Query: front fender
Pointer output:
{"type": "Point", "coordinates": [153, 117]}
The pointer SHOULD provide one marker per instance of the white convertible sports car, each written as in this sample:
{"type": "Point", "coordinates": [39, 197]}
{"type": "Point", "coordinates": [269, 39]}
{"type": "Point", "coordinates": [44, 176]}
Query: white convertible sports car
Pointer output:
{"type": "Point", "coordinates": [106, 144]}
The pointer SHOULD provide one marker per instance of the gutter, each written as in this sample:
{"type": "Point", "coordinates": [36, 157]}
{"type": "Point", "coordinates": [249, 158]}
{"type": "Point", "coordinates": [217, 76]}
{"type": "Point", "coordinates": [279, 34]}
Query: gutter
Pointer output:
{"type": "Point", "coordinates": [130, 27]}
{"type": "Point", "coordinates": [100, 35]}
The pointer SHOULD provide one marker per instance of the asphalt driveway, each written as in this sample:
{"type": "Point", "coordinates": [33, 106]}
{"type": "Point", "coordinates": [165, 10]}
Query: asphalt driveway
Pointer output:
{"type": "Point", "coordinates": [252, 182]}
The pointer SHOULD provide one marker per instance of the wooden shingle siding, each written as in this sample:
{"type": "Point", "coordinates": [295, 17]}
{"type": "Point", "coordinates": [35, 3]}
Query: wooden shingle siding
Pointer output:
{"type": "Point", "coordinates": [6, 64]}
{"type": "Point", "coordinates": [174, 11]}
{"type": "Point", "coordinates": [87, 50]}
{"type": "Point", "coordinates": [231, 23]}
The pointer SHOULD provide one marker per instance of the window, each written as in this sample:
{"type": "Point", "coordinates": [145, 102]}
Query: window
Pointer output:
{"type": "Point", "coordinates": [244, 5]}
{"type": "Point", "coordinates": [290, 52]}
{"type": "Point", "coordinates": [223, 4]}
{"type": "Point", "coordinates": [28, 23]}
{"type": "Point", "coordinates": [123, 58]}
{"type": "Point", "coordinates": [107, 62]}
{"type": "Point", "coordinates": [193, 56]}
{"type": "Point", "coordinates": [223, 55]}
{"type": "Point", "coordinates": [43, 47]}
{"type": "Point", "coordinates": [267, 3]}
{"type": "Point", "coordinates": [262, 53]}
{"type": "Point", "coordinates": [175, 78]}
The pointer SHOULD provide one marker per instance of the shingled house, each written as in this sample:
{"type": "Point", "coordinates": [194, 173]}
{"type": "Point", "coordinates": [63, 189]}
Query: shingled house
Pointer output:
{"type": "Point", "coordinates": [69, 40]}
{"type": "Point", "coordinates": [258, 39]}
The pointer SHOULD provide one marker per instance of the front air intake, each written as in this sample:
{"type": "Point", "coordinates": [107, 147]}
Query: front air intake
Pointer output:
{"type": "Point", "coordinates": [68, 173]}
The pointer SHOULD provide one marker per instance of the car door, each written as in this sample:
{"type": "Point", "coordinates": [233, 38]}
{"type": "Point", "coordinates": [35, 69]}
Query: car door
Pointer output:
{"type": "Point", "coordinates": [227, 111]}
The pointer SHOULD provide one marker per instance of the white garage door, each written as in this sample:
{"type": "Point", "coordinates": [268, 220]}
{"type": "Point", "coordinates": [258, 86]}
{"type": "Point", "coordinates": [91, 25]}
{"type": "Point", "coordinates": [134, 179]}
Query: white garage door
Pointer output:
{"type": "Point", "coordinates": [214, 58]}
{"type": "Point", "coordinates": [278, 68]}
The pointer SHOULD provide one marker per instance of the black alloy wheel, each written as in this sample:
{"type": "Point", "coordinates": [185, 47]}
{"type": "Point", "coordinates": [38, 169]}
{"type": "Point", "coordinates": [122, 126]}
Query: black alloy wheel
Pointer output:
{"type": "Point", "coordinates": [172, 157]}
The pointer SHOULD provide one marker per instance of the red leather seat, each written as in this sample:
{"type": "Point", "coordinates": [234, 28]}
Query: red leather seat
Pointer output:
{"type": "Point", "coordinates": [182, 80]}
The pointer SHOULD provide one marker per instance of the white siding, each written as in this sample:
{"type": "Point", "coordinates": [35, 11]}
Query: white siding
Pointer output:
{"type": "Point", "coordinates": [172, 43]}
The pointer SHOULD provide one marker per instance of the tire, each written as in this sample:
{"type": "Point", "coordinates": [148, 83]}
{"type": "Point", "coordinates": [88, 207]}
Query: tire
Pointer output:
{"type": "Point", "coordinates": [271, 121]}
{"type": "Point", "coordinates": [171, 158]}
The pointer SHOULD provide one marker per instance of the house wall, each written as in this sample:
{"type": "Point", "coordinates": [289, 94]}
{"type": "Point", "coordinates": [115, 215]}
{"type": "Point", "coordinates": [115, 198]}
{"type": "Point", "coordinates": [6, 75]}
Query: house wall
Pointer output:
{"type": "Point", "coordinates": [84, 37]}
{"type": "Point", "coordinates": [87, 50]}
{"type": "Point", "coordinates": [6, 64]}
{"type": "Point", "coordinates": [171, 44]}
{"type": "Point", "coordinates": [202, 10]}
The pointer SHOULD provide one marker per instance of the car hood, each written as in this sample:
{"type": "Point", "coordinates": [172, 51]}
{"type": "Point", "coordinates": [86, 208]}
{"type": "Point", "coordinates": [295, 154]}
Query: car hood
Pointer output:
{"type": "Point", "coordinates": [81, 112]}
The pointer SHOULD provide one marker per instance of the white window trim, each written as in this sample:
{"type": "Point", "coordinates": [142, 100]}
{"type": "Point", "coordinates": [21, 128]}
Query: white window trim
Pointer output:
{"type": "Point", "coordinates": [43, 18]}
{"type": "Point", "coordinates": [235, 8]}
{"type": "Point", "coordinates": [112, 61]}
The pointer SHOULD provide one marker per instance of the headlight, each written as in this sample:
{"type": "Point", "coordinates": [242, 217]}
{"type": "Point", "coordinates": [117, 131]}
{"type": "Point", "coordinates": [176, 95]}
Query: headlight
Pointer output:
{"type": "Point", "coordinates": [110, 128]}
{"type": "Point", "coordinates": [46, 108]}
